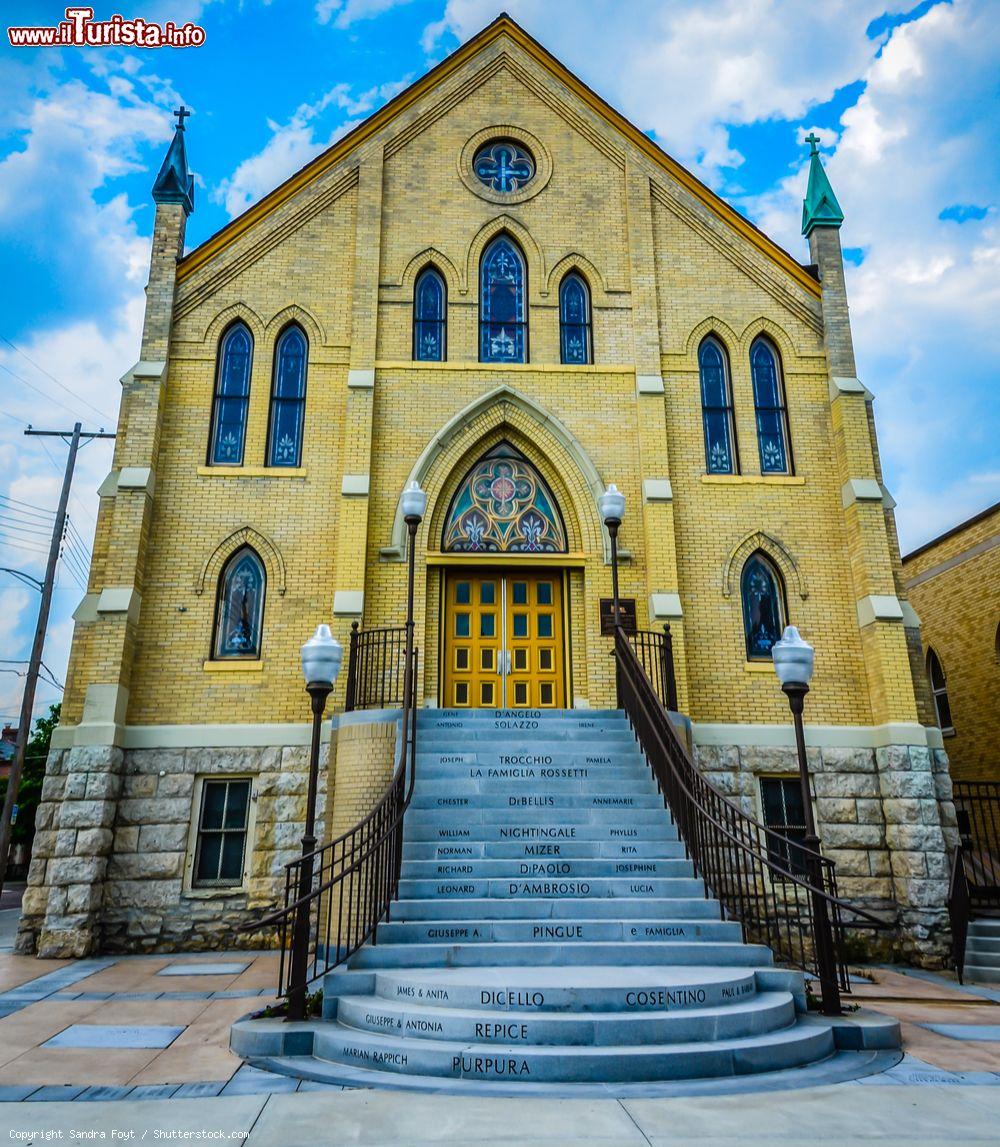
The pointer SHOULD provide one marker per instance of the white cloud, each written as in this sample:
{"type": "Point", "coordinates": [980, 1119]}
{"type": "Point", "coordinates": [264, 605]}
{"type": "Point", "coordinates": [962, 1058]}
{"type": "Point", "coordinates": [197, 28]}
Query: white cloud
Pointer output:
{"type": "Point", "coordinates": [294, 144]}
{"type": "Point", "coordinates": [347, 12]}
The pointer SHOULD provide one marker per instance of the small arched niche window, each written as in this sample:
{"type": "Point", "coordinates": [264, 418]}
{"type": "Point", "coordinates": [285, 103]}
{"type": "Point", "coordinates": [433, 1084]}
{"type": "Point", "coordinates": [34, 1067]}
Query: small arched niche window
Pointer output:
{"type": "Point", "coordinates": [939, 690]}
{"type": "Point", "coordinates": [503, 329]}
{"type": "Point", "coordinates": [288, 398]}
{"type": "Point", "coordinates": [240, 609]}
{"type": "Point", "coordinates": [772, 415]}
{"type": "Point", "coordinates": [763, 606]}
{"type": "Point", "coordinates": [575, 330]}
{"type": "Point", "coordinates": [430, 323]}
{"type": "Point", "coordinates": [717, 408]}
{"type": "Point", "coordinates": [231, 401]}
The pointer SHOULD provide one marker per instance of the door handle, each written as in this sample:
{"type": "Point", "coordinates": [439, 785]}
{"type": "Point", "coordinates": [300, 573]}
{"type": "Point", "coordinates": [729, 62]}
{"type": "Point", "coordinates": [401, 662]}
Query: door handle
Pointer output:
{"type": "Point", "coordinates": [503, 662]}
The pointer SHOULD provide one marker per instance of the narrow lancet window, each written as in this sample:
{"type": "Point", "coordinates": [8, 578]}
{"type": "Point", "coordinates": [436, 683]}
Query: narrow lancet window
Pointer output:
{"type": "Point", "coordinates": [288, 399]}
{"type": "Point", "coordinates": [717, 409]}
{"type": "Point", "coordinates": [231, 402]}
{"type": "Point", "coordinates": [575, 331]}
{"type": "Point", "coordinates": [240, 611]}
{"type": "Point", "coordinates": [939, 687]}
{"type": "Point", "coordinates": [772, 414]}
{"type": "Point", "coordinates": [763, 606]}
{"type": "Point", "coordinates": [503, 330]}
{"type": "Point", "coordinates": [430, 310]}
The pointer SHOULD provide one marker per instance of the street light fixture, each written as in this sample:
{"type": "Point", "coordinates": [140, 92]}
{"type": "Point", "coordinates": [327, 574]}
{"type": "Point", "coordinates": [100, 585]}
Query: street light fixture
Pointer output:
{"type": "Point", "coordinates": [793, 663]}
{"type": "Point", "coordinates": [612, 507]}
{"type": "Point", "coordinates": [322, 656]}
{"type": "Point", "coordinates": [414, 505]}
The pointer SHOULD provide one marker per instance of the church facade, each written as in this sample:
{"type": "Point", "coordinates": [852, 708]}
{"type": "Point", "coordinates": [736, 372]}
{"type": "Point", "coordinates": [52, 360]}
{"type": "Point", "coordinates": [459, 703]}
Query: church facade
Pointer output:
{"type": "Point", "coordinates": [498, 288]}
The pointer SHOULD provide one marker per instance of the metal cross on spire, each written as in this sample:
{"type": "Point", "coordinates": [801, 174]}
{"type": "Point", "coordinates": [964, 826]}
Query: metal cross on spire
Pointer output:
{"type": "Point", "coordinates": [813, 140]}
{"type": "Point", "coordinates": [182, 113]}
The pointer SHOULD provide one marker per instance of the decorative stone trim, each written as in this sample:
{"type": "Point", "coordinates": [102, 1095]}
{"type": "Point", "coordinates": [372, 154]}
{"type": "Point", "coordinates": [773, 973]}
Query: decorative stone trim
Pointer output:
{"type": "Point", "coordinates": [860, 490]}
{"type": "Point", "coordinates": [348, 602]}
{"type": "Point", "coordinates": [539, 153]}
{"type": "Point", "coordinates": [649, 384]}
{"type": "Point", "coordinates": [137, 478]}
{"type": "Point", "coordinates": [657, 490]}
{"type": "Point", "coordinates": [145, 369]}
{"type": "Point", "coordinates": [120, 599]}
{"type": "Point", "coordinates": [879, 607]}
{"type": "Point", "coordinates": [910, 618]}
{"type": "Point", "coordinates": [86, 611]}
{"type": "Point", "coordinates": [355, 485]}
{"type": "Point", "coordinates": [840, 386]}
{"type": "Point", "coordinates": [774, 550]}
{"type": "Point", "coordinates": [235, 665]}
{"type": "Point", "coordinates": [665, 605]}
{"type": "Point", "coordinates": [245, 535]}
{"type": "Point", "coordinates": [109, 487]}
{"type": "Point", "coordinates": [358, 379]}
{"type": "Point", "coordinates": [820, 736]}
{"type": "Point", "coordinates": [888, 501]}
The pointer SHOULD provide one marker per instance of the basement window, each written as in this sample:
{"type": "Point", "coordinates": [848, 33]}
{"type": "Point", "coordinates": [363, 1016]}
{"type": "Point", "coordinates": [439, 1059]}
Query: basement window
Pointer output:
{"type": "Point", "coordinates": [222, 833]}
{"type": "Point", "coordinates": [781, 800]}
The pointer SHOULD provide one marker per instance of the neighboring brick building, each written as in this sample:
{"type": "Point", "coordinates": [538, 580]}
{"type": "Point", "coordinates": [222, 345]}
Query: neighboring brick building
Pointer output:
{"type": "Point", "coordinates": [954, 585]}
{"type": "Point", "coordinates": [498, 287]}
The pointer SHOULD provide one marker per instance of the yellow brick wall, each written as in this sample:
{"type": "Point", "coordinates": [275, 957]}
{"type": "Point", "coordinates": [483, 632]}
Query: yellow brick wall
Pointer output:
{"type": "Point", "coordinates": [663, 271]}
{"type": "Point", "coordinates": [959, 611]}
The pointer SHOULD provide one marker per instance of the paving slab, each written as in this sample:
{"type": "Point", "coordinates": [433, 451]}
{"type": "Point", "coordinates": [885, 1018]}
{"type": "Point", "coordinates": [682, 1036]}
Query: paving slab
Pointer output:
{"type": "Point", "coordinates": [180, 1119]}
{"type": "Point", "coordinates": [199, 969]}
{"type": "Point", "coordinates": [989, 1033]}
{"type": "Point", "coordinates": [113, 1035]}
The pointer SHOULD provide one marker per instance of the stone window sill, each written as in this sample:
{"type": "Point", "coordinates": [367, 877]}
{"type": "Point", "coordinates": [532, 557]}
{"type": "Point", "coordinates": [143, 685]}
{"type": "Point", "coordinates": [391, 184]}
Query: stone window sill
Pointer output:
{"type": "Point", "coordinates": [752, 480]}
{"type": "Point", "coordinates": [948, 732]}
{"type": "Point", "coordinates": [213, 893]}
{"type": "Point", "coordinates": [759, 666]}
{"type": "Point", "coordinates": [234, 666]}
{"type": "Point", "coordinates": [252, 472]}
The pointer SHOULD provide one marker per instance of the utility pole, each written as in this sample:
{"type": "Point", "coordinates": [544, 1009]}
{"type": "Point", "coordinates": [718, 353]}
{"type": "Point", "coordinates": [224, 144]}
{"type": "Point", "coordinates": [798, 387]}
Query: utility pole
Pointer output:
{"type": "Point", "coordinates": [34, 665]}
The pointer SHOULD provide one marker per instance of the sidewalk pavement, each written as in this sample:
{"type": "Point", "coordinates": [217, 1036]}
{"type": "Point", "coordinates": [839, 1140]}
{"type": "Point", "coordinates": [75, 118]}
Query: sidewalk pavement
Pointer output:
{"type": "Point", "coordinates": [99, 1044]}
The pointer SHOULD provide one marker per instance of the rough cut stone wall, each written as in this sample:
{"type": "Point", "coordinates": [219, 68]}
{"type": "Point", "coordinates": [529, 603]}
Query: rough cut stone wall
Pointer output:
{"type": "Point", "coordinates": [884, 816]}
{"type": "Point", "coordinates": [114, 849]}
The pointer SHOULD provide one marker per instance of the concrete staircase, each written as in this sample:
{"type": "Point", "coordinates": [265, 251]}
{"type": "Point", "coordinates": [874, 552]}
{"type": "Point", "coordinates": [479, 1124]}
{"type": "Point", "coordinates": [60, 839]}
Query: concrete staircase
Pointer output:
{"type": "Point", "coordinates": [549, 931]}
{"type": "Point", "coordinates": [982, 951]}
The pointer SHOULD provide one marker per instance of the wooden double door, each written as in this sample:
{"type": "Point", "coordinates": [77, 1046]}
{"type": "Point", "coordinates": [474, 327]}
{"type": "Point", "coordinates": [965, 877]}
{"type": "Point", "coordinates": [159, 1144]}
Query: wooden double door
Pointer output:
{"type": "Point", "coordinates": [504, 646]}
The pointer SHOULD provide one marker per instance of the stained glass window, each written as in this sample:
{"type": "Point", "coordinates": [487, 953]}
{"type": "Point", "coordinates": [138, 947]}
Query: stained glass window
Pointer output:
{"type": "Point", "coordinates": [772, 417]}
{"type": "Point", "coordinates": [429, 317]}
{"type": "Point", "coordinates": [288, 399]}
{"type": "Point", "coordinates": [574, 321]}
{"type": "Point", "coordinates": [716, 408]}
{"type": "Point", "coordinates": [502, 328]}
{"type": "Point", "coordinates": [503, 505]}
{"type": "Point", "coordinates": [503, 165]}
{"type": "Point", "coordinates": [763, 607]}
{"type": "Point", "coordinates": [939, 687]}
{"type": "Point", "coordinates": [232, 397]}
{"type": "Point", "coordinates": [241, 606]}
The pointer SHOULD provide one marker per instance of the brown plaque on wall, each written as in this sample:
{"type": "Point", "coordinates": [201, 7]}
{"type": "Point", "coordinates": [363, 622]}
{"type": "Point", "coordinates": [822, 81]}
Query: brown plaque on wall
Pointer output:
{"type": "Point", "coordinates": [626, 608]}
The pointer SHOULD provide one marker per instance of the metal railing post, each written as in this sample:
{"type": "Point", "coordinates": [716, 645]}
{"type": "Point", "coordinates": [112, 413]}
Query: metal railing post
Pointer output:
{"type": "Point", "coordinates": [352, 670]}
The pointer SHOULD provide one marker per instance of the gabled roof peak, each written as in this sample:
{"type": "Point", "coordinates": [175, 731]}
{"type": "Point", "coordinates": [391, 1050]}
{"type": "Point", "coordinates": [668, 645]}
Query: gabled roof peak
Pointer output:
{"type": "Point", "coordinates": [820, 207]}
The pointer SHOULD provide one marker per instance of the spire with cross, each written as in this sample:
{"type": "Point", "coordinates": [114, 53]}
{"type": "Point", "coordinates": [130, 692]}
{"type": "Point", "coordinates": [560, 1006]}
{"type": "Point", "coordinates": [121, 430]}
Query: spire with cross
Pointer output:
{"type": "Point", "coordinates": [820, 207]}
{"type": "Point", "coordinates": [175, 184]}
{"type": "Point", "coordinates": [812, 139]}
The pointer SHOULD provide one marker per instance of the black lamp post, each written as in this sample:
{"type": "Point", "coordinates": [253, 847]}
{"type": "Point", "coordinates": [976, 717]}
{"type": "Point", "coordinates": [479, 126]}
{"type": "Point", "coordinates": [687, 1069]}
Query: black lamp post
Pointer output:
{"type": "Point", "coordinates": [612, 506]}
{"type": "Point", "coordinates": [793, 662]}
{"type": "Point", "coordinates": [414, 505]}
{"type": "Point", "coordinates": [322, 655]}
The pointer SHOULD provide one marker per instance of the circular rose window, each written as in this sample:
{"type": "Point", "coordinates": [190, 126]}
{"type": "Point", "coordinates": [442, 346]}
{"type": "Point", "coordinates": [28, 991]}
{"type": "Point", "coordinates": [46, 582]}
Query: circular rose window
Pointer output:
{"type": "Point", "coordinates": [504, 166]}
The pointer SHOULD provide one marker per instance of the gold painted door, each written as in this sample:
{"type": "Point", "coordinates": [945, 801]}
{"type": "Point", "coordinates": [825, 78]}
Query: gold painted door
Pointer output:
{"type": "Point", "coordinates": [504, 644]}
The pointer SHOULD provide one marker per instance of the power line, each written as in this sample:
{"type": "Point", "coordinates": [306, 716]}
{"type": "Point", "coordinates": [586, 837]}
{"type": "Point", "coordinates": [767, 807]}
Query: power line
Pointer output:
{"type": "Point", "coordinates": [48, 374]}
{"type": "Point", "coordinates": [28, 507]}
{"type": "Point", "coordinates": [31, 386]}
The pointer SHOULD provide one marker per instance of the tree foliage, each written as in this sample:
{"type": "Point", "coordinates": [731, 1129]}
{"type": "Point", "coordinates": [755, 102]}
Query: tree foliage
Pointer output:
{"type": "Point", "coordinates": [30, 791]}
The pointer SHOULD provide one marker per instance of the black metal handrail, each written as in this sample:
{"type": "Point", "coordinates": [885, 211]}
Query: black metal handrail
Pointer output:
{"type": "Point", "coordinates": [375, 668]}
{"type": "Point", "coordinates": [355, 876]}
{"type": "Point", "coordinates": [977, 807]}
{"type": "Point", "coordinates": [959, 911]}
{"type": "Point", "coordinates": [771, 883]}
{"type": "Point", "coordinates": [655, 652]}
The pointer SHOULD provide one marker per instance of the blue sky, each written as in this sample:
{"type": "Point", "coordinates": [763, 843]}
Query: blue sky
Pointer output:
{"type": "Point", "coordinates": [903, 95]}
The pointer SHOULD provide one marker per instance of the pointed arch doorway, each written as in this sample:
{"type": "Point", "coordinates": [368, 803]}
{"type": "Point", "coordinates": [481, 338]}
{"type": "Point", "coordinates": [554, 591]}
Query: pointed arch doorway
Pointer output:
{"type": "Point", "coordinates": [504, 626]}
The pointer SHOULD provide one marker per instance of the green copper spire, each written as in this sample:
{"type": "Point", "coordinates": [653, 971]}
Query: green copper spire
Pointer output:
{"type": "Point", "coordinates": [175, 184]}
{"type": "Point", "coordinates": [820, 207]}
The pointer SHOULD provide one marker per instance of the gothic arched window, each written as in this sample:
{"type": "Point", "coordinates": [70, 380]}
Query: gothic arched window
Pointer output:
{"type": "Point", "coordinates": [240, 609]}
{"type": "Point", "coordinates": [232, 397]}
{"type": "Point", "coordinates": [288, 398]}
{"type": "Point", "coordinates": [503, 331]}
{"type": "Point", "coordinates": [763, 606]}
{"type": "Point", "coordinates": [430, 321]}
{"type": "Point", "coordinates": [575, 337]}
{"type": "Point", "coordinates": [772, 415]}
{"type": "Point", "coordinates": [939, 688]}
{"type": "Point", "coordinates": [717, 408]}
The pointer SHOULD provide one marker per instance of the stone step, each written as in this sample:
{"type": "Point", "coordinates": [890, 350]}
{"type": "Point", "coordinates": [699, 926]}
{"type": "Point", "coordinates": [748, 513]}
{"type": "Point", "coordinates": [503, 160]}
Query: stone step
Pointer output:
{"type": "Point", "coordinates": [542, 866]}
{"type": "Point", "coordinates": [541, 833]}
{"type": "Point", "coordinates": [553, 738]}
{"type": "Point", "coordinates": [682, 953]}
{"type": "Point", "coordinates": [561, 715]}
{"type": "Point", "coordinates": [771, 1051]}
{"type": "Point", "coordinates": [985, 926]}
{"type": "Point", "coordinates": [645, 908]}
{"type": "Point", "coordinates": [626, 989]}
{"type": "Point", "coordinates": [570, 930]}
{"type": "Point", "coordinates": [548, 769]}
{"type": "Point", "coordinates": [460, 755]}
{"type": "Point", "coordinates": [979, 944]}
{"type": "Point", "coordinates": [488, 788]}
{"type": "Point", "coordinates": [980, 973]}
{"type": "Point", "coordinates": [536, 798]}
{"type": "Point", "coordinates": [753, 1015]}
{"type": "Point", "coordinates": [551, 887]}
{"type": "Point", "coordinates": [549, 814]}
{"type": "Point", "coordinates": [516, 850]}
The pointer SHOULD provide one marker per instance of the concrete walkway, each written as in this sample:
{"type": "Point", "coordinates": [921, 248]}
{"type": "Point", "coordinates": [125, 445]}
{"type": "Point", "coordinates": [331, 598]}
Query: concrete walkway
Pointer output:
{"type": "Point", "coordinates": [140, 1044]}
